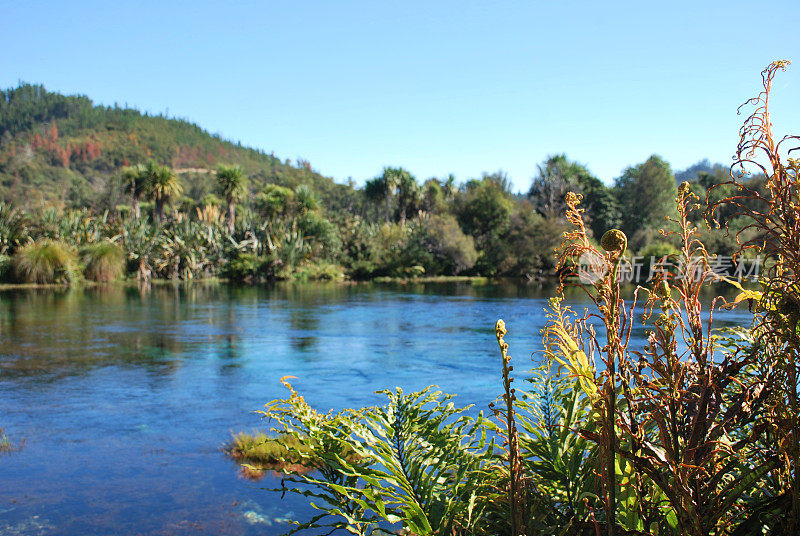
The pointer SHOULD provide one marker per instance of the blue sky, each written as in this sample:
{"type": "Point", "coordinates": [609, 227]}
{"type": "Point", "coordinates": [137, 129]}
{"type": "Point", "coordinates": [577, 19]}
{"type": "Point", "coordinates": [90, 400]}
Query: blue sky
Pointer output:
{"type": "Point", "coordinates": [436, 87]}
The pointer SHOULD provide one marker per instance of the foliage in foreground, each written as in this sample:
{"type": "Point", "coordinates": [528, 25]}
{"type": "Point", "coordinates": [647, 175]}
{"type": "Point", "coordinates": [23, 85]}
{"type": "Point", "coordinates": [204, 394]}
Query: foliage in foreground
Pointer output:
{"type": "Point", "coordinates": [696, 433]}
{"type": "Point", "coordinates": [419, 462]}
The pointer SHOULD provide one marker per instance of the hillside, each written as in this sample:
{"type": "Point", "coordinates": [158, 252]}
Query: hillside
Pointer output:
{"type": "Point", "coordinates": [66, 151]}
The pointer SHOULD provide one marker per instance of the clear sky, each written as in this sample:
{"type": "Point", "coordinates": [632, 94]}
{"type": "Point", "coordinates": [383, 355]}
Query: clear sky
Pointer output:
{"type": "Point", "coordinates": [436, 87]}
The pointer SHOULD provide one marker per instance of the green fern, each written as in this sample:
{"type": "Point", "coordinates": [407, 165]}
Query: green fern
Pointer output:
{"type": "Point", "coordinates": [419, 463]}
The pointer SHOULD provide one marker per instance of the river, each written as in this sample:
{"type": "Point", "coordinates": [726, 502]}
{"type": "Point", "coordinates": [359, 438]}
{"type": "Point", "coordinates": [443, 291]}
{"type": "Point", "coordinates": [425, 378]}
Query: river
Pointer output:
{"type": "Point", "coordinates": [121, 399]}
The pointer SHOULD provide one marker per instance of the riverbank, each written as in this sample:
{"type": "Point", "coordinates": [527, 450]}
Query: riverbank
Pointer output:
{"type": "Point", "coordinates": [471, 280]}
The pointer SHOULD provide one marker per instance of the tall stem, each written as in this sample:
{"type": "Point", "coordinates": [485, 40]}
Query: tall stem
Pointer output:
{"type": "Point", "coordinates": [514, 465]}
{"type": "Point", "coordinates": [795, 443]}
{"type": "Point", "coordinates": [611, 334]}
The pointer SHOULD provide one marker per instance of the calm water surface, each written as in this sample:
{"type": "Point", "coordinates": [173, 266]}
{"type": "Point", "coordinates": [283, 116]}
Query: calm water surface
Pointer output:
{"type": "Point", "coordinates": [125, 398]}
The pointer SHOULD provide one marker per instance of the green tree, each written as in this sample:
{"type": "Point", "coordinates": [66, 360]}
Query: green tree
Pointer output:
{"type": "Point", "coordinates": [439, 245]}
{"type": "Point", "coordinates": [554, 178]}
{"type": "Point", "coordinates": [646, 194]}
{"type": "Point", "coordinates": [557, 176]}
{"type": "Point", "coordinates": [162, 185]}
{"type": "Point", "coordinates": [409, 194]}
{"type": "Point", "coordinates": [377, 191]}
{"type": "Point", "coordinates": [433, 197]}
{"type": "Point", "coordinates": [484, 211]}
{"type": "Point", "coordinates": [135, 183]}
{"type": "Point", "coordinates": [230, 185]}
{"type": "Point", "coordinates": [395, 187]}
{"type": "Point", "coordinates": [530, 243]}
{"type": "Point", "coordinates": [485, 208]}
{"type": "Point", "coordinates": [307, 200]}
{"type": "Point", "coordinates": [274, 201]}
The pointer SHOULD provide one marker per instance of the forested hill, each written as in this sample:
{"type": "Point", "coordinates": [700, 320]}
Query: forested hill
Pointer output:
{"type": "Point", "coordinates": [66, 151]}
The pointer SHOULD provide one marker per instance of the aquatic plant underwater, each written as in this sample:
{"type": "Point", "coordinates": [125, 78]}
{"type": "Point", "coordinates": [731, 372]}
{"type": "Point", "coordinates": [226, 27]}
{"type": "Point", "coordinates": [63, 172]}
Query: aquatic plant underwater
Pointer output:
{"type": "Point", "coordinates": [697, 433]}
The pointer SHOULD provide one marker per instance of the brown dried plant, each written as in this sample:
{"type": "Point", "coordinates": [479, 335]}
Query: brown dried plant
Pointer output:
{"type": "Point", "coordinates": [675, 423]}
{"type": "Point", "coordinates": [573, 345]}
{"type": "Point", "coordinates": [775, 222]}
{"type": "Point", "coordinates": [689, 407]}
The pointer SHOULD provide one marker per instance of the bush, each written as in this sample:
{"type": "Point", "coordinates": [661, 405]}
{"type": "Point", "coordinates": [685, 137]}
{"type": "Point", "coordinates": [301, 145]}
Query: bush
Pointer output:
{"type": "Point", "coordinates": [319, 271]}
{"type": "Point", "coordinates": [103, 261]}
{"type": "Point", "coordinates": [6, 268]}
{"type": "Point", "coordinates": [47, 261]}
{"type": "Point", "coordinates": [528, 247]}
{"type": "Point", "coordinates": [13, 228]}
{"type": "Point", "coordinates": [321, 234]}
{"type": "Point", "coordinates": [452, 251]}
{"type": "Point", "coordinates": [242, 267]}
{"type": "Point", "coordinates": [274, 201]}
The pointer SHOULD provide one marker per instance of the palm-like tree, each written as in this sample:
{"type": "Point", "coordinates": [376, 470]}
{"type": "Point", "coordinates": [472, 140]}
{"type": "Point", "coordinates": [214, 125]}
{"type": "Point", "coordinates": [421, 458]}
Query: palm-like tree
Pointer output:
{"type": "Point", "coordinates": [162, 185]}
{"type": "Point", "coordinates": [409, 194]}
{"type": "Point", "coordinates": [230, 184]}
{"type": "Point", "coordinates": [307, 200]}
{"type": "Point", "coordinates": [377, 191]}
{"type": "Point", "coordinates": [135, 182]}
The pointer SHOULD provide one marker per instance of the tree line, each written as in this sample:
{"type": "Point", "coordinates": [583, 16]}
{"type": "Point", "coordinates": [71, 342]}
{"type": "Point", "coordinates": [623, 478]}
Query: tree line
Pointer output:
{"type": "Point", "coordinates": [393, 226]}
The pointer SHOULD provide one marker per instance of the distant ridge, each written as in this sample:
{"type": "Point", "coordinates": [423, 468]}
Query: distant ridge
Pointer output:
{"type": "Point", "coordinates": [64, 150]}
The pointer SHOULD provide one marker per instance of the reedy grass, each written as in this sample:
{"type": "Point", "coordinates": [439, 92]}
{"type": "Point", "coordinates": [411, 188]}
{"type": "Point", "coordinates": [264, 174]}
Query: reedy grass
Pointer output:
{"type": "Point", "coordinates": [103, 261]}
{"type": "Point", "coordinates": [45, 262]}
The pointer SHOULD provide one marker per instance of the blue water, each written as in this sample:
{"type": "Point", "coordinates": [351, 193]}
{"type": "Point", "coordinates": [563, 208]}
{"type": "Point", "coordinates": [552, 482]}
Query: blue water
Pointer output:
{"type": "Point", "coordinates": [122, 399]}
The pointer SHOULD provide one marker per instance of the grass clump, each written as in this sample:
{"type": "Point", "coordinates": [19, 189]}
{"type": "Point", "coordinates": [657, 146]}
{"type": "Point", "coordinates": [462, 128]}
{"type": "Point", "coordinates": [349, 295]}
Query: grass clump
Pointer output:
{"type": "Point", "coordinates": [45, 262]}
{"type": "Point", "coordinates": [260, 452]}
{"type": "Point", "coordinates": [103, 261]}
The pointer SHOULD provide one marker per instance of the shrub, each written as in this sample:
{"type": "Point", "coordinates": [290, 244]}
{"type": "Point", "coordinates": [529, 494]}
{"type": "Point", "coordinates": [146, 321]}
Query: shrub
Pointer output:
{"type": "Point", "coordinates": [242, 267]}
{"type": "Point", "coordinates": [103, 261]}
{"type": "Point", "coordinates": [657, 252]}
{"type": "Point", "coordinates": [274, 201]}
{"type": "Point", "coordinates": [13, 228]}
{"type": "Point", "coordinates": [319, 271]}
{"type": "Point", "coordinates": [6, 268]}
{"type": "Point", "coordinates": [451, 250]}
{"type": "Point", "coordinates": [47, 261]}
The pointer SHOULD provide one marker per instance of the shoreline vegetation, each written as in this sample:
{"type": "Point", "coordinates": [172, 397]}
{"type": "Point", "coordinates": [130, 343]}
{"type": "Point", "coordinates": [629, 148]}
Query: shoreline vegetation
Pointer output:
{"type": "Point", "coordinates": [93, 193]}
{"type": "Point", "coordinates": [695, 433]}
{"type": "Point", "coordinates": [470, 280]}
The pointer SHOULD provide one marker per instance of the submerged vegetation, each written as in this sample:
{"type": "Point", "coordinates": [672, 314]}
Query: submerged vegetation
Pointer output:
{"type": "Point", "coordinates": [6, 446]}
{"type": "Point", "coordinates": [696, 433]}
{"type": "Point", "coordinates": [258, 452]}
